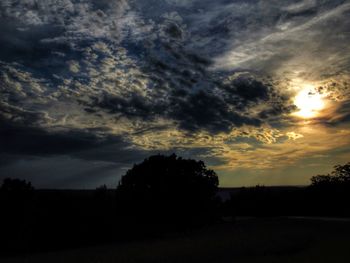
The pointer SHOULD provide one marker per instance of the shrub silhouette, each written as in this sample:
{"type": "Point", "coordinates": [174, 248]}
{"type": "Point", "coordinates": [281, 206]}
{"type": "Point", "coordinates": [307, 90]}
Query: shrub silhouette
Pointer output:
{"type": "Point", "coordinates": [168, 187]}
{"type": "Point", "coordinates": [16, 185]}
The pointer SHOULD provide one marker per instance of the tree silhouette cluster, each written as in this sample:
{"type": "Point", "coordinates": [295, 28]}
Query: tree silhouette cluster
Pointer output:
{"type": "Point", "coordinates": [330, 193]}
{"type": "Point", "coordinates": [168, 187]}
{"type": "Point", "coordinates": [340, 176]}
{"type": "Point", "coordinates": [160, 195]}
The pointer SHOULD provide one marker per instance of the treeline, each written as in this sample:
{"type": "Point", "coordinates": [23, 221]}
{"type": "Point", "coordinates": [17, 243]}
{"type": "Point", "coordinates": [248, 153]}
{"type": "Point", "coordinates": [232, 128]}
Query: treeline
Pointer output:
{"type": "Point", "coordinates": [163, 194]}
{"type": "Point", "coordinates": [261, 201]}
{"type": "Point", "coordinates": [327, 195]}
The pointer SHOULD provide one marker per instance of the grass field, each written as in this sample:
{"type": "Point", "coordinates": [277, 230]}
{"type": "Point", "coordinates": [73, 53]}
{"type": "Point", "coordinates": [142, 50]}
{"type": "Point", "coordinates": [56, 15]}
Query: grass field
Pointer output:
{"type": "Point", "coordinates": [251, 240]}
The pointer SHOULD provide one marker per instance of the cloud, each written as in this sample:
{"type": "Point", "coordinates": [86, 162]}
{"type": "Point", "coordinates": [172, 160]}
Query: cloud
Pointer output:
{"type": "Point", "coordinates": [148, 71]}
{"type": "Point", "coordinates": [302, 6]}
{"type": "Point", "coordinates": [209, 112]}
{"type": "Point", "coordinates": [290, 46]}
{"type": "Point", "coordinates": [26, 140]}
{"type": "Point", "coordinates": [114, 81]}
{"type": "Point", "coordinates": [310, 141]}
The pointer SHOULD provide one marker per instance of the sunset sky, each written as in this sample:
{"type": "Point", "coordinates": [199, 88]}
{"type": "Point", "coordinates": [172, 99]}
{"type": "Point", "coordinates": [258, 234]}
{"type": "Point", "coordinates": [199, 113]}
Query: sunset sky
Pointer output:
{"type": "Point", "coordinates": [259, 90]}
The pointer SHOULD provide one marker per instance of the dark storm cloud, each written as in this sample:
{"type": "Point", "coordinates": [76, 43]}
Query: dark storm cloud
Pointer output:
{"type": "Point", "coordinates": [209, 112]}
{"type": "Point", "coordinates": [27, 140]}
{"type": "Point", "coordinates": [249, 89]}
{"type": "Point", "coordinates": [133, 107]}
{"type": "Point", "coordinates": [26, 46]}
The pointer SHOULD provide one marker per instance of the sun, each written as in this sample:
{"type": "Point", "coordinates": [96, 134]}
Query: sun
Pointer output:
{"type": "Point", "coordinates": [309, 102]}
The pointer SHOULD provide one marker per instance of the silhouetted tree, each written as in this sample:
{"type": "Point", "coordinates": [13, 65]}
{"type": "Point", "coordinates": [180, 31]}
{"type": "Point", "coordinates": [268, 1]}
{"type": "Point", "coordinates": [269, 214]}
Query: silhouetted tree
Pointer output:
{"type": "Point", "coordinates": [330, 193]}
{"type": "Point", "coordinates": [339, 176]}
{"type": "Point", "coordinates": [168, 185]}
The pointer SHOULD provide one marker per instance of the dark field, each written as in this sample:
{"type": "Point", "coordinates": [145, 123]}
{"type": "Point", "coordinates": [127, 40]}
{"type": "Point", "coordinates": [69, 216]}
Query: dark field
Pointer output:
{"type": "Point", "coordinates": [246, 240]}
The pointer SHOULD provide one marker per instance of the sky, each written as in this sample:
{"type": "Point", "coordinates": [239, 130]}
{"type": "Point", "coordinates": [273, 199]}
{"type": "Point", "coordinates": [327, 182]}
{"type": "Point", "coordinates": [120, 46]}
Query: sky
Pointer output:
{"type": "Point", "coordinates": [258, 90]}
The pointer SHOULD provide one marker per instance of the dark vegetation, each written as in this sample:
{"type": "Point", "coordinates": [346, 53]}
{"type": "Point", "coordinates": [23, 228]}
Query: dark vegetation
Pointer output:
{"type": "Point", "coordinates": [162, 195]}
{"type": "Point", "coordinates": [327, 195]}
{"type": "Point", "coordinates": [168, 190]}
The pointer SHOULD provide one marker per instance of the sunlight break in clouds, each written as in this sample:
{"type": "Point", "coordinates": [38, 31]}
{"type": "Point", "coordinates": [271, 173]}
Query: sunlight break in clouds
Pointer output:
{"type": "Point", "coordinates": [309, 102]}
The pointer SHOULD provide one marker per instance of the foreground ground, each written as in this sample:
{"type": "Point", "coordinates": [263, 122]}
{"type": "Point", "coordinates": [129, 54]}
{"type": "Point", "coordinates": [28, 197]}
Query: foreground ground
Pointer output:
{"type": "Point", "coordinates": [247, 240]}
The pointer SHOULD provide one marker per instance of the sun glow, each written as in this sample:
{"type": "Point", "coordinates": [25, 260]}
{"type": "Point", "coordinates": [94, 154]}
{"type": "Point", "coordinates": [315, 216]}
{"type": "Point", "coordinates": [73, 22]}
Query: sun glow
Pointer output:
{"type": "Point", "coordinates": [309, 102]}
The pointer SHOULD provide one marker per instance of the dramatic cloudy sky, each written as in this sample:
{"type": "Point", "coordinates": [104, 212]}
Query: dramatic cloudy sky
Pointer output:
{"type": "Point", "coordinates": [257, 89]}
